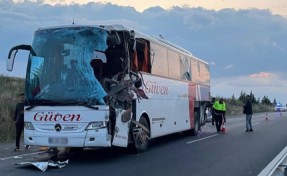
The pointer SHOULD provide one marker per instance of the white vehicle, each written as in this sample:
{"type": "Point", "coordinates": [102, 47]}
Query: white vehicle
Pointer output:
{"type": "Point", "coordinates": [103, 86]}
{"type": "Point", "coordinates": [208, 114]}
{"type": "Point", "coordinates": [279, 107]}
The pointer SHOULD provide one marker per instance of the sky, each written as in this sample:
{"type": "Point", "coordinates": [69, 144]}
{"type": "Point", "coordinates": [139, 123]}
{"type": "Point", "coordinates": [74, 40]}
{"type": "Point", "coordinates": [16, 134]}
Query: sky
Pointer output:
{"type": "Point", "coordinates": [244, 41]}
{"type": "Point", "coordinates": [276, 6]}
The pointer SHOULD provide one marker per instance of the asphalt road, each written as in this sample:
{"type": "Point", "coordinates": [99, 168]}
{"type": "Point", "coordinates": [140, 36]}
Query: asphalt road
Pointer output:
{"type": "Point", "coordinates": [236, 153]}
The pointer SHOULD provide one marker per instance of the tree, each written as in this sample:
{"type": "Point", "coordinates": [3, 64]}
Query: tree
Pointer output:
{"type": "Point", "coordinates": [274, 102]}
{"type": "Point", "coordinates": [252, 98]}
{"type": "Point", "coordinates": [242, 97]}
{"type": "Point", "coordinates": [265, 100]}
{"type": "Point", "coordinates": [233, 100]}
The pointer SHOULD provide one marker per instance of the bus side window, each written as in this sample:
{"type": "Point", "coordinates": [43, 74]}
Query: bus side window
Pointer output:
{"type": "Point", "coordinates": [185, 68]}
{"type": "Point", "coordinates": [141, 57]}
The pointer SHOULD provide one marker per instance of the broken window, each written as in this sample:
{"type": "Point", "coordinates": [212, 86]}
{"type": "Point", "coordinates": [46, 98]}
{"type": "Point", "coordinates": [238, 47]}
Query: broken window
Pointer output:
{"type": "Point", "coordinates": [141, 56]}
{"type": "Point", "coordinates": [65, 74]}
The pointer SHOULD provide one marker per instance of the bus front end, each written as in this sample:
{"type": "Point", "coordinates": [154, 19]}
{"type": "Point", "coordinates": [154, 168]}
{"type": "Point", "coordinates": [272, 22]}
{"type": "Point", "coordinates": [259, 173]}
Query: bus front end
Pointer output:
{"type": "Point", "coordinates": [67, 126]}
{"type": "Point", "coordinates": [75, 80]}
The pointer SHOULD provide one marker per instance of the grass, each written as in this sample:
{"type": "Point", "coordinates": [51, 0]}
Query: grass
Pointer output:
{"type": "Point", "coordinates": [10, 88]}
{"type": "Point", "coordinates": [238, 109]}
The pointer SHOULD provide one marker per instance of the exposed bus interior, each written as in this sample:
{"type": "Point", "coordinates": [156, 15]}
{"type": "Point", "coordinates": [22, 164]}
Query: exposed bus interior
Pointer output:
{"type": "Point", "coordinates": [141, 56]}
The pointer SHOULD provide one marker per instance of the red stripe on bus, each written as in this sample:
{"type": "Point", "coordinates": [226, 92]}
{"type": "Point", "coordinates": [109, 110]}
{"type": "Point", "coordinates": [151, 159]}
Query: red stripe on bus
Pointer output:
{"type": "Point", "coordinates": [192, 98]}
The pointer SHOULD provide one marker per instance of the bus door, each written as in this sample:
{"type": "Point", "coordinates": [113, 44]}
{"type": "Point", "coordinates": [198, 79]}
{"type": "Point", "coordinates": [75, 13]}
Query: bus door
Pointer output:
{"type": "Point", "coordinates": [121, 132]}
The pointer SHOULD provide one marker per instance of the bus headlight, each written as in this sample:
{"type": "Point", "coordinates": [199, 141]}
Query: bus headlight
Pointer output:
{"type": "Point", "coordinates": [96, 125]}
{"type": "Point", "coordinates": [29, 126]}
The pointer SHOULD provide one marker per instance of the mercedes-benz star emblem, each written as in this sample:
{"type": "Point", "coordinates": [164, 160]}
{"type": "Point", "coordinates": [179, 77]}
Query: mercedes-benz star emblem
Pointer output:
{"type": "Point", "coordinates": [58, 127]}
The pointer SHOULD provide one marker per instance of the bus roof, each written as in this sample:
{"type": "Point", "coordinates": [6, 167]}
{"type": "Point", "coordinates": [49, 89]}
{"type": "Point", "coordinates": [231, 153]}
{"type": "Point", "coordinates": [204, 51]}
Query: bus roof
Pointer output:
{"type": "Point", "coordinates": [169, 45]}
{"type": "Point", "coordinates": [119, 27]}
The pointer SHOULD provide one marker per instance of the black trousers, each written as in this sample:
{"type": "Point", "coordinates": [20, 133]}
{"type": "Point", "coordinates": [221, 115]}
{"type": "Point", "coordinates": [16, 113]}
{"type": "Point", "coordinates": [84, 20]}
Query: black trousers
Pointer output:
{"type": "Point", "coordinates": [218, 122]}
{"type": "Point", "coordinates": [19, 129]}
{"type": "Point", "coordinates": [213, 119]}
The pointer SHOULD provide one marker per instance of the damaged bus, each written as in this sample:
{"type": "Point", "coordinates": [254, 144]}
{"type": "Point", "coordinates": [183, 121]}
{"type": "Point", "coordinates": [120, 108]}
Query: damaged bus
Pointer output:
{"type": "Point", "coordinates": [107, 85]}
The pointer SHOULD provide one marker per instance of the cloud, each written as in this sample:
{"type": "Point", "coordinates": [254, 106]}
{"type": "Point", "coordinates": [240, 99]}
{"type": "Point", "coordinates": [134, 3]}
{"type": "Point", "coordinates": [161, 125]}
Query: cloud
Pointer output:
{"type": "Point", "coordinates": [252, 40]}
{"type": "Point", "coordinates": [198, 19]}
{"type": "Point", "coordinates": [228, 66]}
{"type": "Point", "coordinates": [271, 84]}
{"type": "Point", "coordinates": [260, 75]}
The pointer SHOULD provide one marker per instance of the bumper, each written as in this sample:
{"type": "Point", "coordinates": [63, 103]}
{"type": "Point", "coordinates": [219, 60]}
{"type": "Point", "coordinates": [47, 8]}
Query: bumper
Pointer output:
{"type": "Point", "coordinates": [89, 138]}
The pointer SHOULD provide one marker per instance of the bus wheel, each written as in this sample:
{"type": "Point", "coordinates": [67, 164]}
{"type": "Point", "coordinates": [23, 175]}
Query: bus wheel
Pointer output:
{"type": "Point", "coordinates": [141, 135]}
{"type": "Point", "coordinates": [196, 128]}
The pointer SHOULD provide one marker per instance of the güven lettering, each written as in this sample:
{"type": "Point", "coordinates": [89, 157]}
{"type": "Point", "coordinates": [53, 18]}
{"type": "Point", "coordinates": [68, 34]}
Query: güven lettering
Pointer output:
{"type": "Point", "coordinates": [50, 116]}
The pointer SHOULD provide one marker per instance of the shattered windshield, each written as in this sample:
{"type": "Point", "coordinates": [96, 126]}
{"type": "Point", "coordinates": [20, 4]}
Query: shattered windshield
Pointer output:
{"type": "Point", "coordinates": [61, 71]}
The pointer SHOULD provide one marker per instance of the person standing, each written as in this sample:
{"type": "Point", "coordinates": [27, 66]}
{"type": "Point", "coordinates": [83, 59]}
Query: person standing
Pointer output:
{"type": "Point", "coordinates": [19, 120]}
{"type": "Point", "coordinates": [247, 109]}
{"type": "Point", "coordinates": [219, 113]}
{"type": "Point", "coordinates": [212, 111]}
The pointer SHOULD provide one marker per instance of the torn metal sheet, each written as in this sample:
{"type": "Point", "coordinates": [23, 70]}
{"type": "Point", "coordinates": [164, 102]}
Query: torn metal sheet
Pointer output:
{"type": "Point", "coordinates": [45, 164]}
{"type": "Point", "coordinates": [123, 91]}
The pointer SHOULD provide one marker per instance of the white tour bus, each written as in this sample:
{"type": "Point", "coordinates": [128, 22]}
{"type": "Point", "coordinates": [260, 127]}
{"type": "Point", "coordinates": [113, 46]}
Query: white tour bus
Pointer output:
{"type": "Point", "coordinates": [103, 86]}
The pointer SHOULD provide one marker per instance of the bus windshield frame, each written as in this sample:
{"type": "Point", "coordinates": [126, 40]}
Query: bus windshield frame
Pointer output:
{"type": "Point", "coordinates": [61, 71]}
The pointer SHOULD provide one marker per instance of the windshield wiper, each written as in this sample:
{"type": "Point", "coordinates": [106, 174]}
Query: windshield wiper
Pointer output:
{"type": "Point", "coordinates": [30, 107]}
{"type": "Point", "coordinates": [38, 102]}
{"type": "Point", "coordinates": [59, 103]}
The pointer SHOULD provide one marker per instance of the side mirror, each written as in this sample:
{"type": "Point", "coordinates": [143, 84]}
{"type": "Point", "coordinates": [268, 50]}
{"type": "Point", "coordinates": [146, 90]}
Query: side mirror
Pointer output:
{"type": "Point", "coordinates": [10, 60]}
{"type": "Point", "coordinates": [12, 54]}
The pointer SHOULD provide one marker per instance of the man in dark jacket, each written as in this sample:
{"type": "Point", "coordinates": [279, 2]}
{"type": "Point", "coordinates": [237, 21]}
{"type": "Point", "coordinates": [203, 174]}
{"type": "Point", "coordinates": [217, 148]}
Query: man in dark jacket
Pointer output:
{"type": "Point", "coordinates": [248, 111]}
{"type": "Point", "coordinates": [19, 120]}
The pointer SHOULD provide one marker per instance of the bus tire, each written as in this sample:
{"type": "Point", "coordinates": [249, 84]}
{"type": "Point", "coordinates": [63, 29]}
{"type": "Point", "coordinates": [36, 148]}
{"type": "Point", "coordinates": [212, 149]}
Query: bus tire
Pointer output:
{"type": "Point", "coordinates": [141, 139]}
{"type": "Point", "coordinates": [196, 128]}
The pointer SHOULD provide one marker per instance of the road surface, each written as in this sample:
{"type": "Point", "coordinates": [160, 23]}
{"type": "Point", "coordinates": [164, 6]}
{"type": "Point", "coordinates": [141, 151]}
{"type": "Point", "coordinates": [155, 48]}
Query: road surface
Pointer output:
{"type": "Point", "coordinates": [235, 153]}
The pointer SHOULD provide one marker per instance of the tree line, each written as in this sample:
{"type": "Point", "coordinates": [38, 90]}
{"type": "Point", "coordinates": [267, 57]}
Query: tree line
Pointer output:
{"type": "Point", "coordinates": [264, 101]}
{"type": "Point", "coordinates": [235, 105]}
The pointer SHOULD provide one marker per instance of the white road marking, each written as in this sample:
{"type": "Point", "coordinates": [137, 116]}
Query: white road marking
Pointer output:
{"type": "Point", "coordinates": [202, 139]}
{"type": "Point", "coordinates": [20, 156]}
{"type": "Point", "coordinates": [272, 166]}
{"type": "Point", "coordinates": [253, 124]}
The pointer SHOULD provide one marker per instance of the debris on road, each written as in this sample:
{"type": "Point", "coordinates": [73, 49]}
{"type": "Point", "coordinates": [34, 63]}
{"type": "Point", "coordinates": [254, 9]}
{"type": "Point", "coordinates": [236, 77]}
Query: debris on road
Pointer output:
{"type": "Point", "coordinates": [44, 165]}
